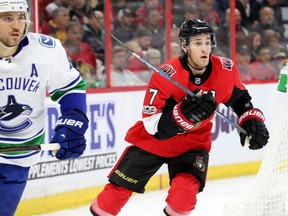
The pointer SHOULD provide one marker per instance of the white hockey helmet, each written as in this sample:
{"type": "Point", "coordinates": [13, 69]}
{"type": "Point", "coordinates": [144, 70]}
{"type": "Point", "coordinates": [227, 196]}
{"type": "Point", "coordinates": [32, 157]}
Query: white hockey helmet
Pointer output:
{"type": "Point", "coordinates": [16, 6]}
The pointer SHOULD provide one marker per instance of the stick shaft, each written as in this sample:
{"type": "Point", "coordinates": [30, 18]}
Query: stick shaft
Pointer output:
{"type": "Point", "coordinates": [41, 147]}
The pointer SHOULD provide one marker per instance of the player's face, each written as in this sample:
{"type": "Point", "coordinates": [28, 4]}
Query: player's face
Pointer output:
{"type": "Point", "coordinates": [198, 50]}
{"type": "Point", "coordinates": [12, 27]}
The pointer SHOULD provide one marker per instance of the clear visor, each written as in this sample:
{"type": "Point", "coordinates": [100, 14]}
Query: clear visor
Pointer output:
{"type": "Point", "coordinates": [14, 16]}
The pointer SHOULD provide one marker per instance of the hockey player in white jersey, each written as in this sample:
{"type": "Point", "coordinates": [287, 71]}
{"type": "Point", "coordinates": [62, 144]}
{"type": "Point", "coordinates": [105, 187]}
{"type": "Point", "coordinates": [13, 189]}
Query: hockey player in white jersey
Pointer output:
{"type": "Point", "coordinates": [30, 65]}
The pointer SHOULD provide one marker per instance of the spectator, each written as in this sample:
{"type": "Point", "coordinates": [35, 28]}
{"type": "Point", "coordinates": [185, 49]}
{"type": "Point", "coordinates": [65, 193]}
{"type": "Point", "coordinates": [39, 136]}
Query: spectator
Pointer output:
{"type": "Point", "coordinates": [261, 69]}
{"type": "Point", "coordinates": [224, 32]}
{"type": "Point", "coordinates": [118, 5]}
{"type": "Point", "coordinates": [133, 63]}
{"type": "Point", "coordinates": [275, 5]}
{"type": "Point", "coordinates": [49, 9]}
{"type": "Point", "coordinates": [120, 76]}
{"type": "Point", "coordinates": [207, 12]}
{"type": "Point", "coordinates": [191, 12]}
{"type": "Point", "coordinates": [152, 19]}
{"type": "Point", "coordinates": [95, 3]}
{"type": "Point", "coordinates": [178, 8]}
{"type": "Point", "coordinates": [278, 52]}
{"type": "Point", "coordinates": [79, 10]}
{"type": "Point", "coordinates": [93, 33]}
{"type": "Point", "coordinates": [267, 21]}
{"type": "Point", "coordinates": [141, 12]}
{"type": "Point", "coordinates": [243, 58]}
{"type": "Point", "coordinates": [125, 30]}
{"type": "Point", "coordinates": [244, 8]}
{"type": "Point", "coordinates": [143, 37]}
{"type": "Point", "coordinates": [101, 78]}
{"type": "Point", "coordinates": [254, 41]}
{"type": "Point", "coordinates": [271, 39]}
{"type": "Point", "coordinates": [154, 57]}
{"type": "Point", "coordinates": [175, 33]}
{"type": "Point", "coordinates": [43, 14]}
{"type": "Point", "coordinates": [56, 26]}
{"type": "Point", "coordinates": [220, 6]}
{"type": "Point", "coordinates": [184, 13]}
{"type": "Point", "coordinates": [184, 3]}
{"type": "Point", "coordinates": [175, 49]}
{"type": "Point", "coordinates": [217, 51]}
{"type": "Point", "coordinates": [80, 53]}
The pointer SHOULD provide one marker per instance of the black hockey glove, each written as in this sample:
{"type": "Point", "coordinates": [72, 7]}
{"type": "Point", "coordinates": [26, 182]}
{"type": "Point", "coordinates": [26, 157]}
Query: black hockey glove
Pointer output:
{"type": "Point", "coordinates": [192, 110]}
{"type": "Point", "coordinates": [252, 121]}
{"type": "Point", "coordinates": [69, 133]}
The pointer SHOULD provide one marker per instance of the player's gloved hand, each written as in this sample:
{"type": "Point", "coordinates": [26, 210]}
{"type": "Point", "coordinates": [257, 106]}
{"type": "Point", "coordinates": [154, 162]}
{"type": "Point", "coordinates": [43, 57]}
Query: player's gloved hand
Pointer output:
{"type": "Point", "coordinates": [194, 109]}
{"type": "Point", "coordinates": [69, 133]}
{"type": "Point", "coordinates": [252, 121]}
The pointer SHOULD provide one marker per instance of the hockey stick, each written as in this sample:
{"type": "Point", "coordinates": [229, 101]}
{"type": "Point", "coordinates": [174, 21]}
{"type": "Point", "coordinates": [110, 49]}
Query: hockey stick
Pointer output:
{"type": "Point", "coordinates": [41, 147]}
{"type": "Point", "coordinates": [147, 63]}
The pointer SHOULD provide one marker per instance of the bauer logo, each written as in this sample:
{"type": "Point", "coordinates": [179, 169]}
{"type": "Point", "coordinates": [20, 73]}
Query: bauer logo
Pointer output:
{"type": "Point", "coordinates": [70, 122]}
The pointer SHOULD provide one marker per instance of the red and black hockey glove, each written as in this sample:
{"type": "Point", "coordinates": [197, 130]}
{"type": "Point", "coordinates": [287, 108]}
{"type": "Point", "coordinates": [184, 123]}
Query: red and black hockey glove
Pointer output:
{"type": "Point", "coordinates": [252, 121]}
{"type": "Point", "coordinates": [192, 109]}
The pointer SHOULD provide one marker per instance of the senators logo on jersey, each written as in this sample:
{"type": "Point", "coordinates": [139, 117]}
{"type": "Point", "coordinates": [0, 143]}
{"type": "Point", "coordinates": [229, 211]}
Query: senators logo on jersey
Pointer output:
{"type": "Point", "coordinates": [199, 164]}
{"type": "Point", "coordinates": [168, 70]}
{"type": "Point", "coordinates": [227, 64]}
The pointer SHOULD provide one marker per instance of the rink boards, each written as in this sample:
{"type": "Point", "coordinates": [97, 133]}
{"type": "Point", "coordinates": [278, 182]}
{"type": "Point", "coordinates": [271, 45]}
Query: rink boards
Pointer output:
{"type": "Point", "coordinates": [55, 185]}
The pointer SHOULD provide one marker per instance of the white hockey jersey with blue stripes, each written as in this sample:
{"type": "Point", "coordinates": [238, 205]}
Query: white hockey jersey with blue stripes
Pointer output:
{"type": "Point", "coordinates": [39, 65]}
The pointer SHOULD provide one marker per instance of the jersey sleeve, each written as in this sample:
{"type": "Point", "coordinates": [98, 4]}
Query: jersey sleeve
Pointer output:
{"type": "Point", "coordinates": [160, 98]}
{"type": "Point", "coordinates": [64, 78]}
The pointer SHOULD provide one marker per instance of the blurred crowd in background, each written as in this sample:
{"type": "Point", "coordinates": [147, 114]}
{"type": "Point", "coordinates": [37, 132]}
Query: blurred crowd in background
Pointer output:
{"type": "Point", "coordinates": [261, 39]}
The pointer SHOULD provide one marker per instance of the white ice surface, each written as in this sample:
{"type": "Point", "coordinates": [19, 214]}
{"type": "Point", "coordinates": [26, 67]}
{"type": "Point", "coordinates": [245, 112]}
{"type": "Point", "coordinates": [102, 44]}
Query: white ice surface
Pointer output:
{"type": "Point", "coordinates": [210, 201]}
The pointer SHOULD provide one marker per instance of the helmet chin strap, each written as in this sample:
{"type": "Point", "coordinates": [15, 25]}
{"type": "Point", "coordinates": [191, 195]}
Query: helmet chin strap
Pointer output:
{"type": "Point", "coordinates": [10, 48]}
{"type": "Point", "coordinates": [6, 55]}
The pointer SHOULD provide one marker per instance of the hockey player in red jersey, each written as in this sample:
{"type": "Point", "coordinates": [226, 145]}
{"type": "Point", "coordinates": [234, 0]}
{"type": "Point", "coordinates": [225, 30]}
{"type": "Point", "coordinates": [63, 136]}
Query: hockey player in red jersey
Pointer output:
{"type": "Point", "coordinates": [176, 127]}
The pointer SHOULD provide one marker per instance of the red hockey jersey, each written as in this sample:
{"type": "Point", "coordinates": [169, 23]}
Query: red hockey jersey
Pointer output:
{"type": "Point", "coordinates": [222, 79]}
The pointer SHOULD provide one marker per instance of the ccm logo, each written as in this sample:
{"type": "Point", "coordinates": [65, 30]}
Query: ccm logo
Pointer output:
{"type": "Point", "coordinates": [70, 122]}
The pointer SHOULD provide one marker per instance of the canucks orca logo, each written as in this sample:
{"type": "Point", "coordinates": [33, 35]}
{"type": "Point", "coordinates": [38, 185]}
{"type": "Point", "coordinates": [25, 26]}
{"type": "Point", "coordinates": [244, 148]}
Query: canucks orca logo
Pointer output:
{"type": "Point", "coordinates": [15, 116]}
